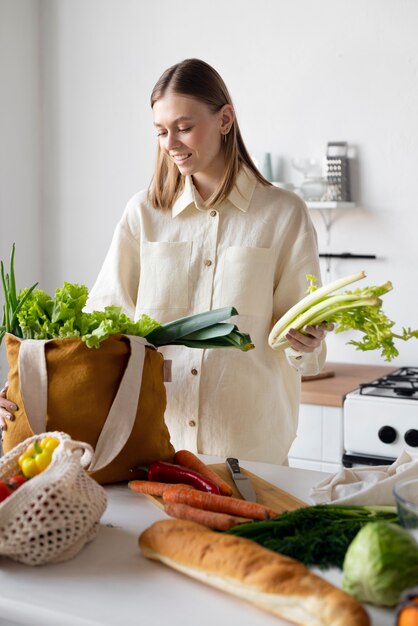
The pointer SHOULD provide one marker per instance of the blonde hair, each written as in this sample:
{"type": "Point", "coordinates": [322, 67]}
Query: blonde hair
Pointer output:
{"type": "Point", "coordinates": [195, 78]}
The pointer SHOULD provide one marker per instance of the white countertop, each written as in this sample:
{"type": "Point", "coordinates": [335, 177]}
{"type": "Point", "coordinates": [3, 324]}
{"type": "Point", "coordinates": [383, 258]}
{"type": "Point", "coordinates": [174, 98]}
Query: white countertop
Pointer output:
{"type": "Point", "coordinates": [109, 583]}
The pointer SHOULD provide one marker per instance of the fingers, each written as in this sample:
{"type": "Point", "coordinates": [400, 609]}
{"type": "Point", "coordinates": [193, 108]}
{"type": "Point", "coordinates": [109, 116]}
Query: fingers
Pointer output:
{"type": "Point", "coordinates": [4, 417]}
{"type": "Point", "coordinates": [310, 339]}
{"type": "Point", "coordinates": [6, 409]}
{"type": "Point", "coordinates": [6, 412]}
{"type": "Point", "coordinates": [300, 342]}
{"type": "Point", "coordinates": [6, 406]}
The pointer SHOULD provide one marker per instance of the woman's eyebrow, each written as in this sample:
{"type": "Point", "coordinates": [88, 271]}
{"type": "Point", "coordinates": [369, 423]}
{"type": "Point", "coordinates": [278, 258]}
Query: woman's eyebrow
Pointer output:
{"type": "Point", "coordinates": [182, 118]}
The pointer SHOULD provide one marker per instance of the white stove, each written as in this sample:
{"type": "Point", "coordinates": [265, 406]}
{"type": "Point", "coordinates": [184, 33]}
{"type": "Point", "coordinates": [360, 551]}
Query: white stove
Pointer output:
{"type": "Point", "coordinates": [381, 419]}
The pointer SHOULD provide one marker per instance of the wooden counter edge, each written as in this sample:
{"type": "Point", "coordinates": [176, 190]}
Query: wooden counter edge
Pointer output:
{"type": "Point", "coordinates": [348, 376]}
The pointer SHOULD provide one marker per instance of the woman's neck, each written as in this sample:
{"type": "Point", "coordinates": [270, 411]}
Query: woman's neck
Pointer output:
{"type": "Point", "coordinates": [205, 186]}
{"type": "Point", "coordinates": [207, 182]}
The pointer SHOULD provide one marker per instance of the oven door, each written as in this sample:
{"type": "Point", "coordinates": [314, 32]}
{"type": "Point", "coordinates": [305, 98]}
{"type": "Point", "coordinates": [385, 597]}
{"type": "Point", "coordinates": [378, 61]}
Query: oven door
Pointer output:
{"type": "Point", "coordinates": [363, 460]}
{"type": "Point", "coordinates": [378, 429]}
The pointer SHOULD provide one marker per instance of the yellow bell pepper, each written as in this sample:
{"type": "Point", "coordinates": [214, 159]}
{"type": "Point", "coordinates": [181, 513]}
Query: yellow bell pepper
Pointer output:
{"type": "Point", "coordinates": [37, 457]}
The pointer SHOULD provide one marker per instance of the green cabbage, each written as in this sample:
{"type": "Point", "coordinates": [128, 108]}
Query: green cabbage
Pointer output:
{"type": "Point", "coordinates": [381, 561]}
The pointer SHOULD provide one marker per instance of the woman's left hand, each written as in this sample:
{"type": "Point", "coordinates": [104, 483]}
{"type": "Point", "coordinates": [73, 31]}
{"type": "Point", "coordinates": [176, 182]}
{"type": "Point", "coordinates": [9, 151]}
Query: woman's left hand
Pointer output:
{"type": "Point", "coordinates": [310, 339]}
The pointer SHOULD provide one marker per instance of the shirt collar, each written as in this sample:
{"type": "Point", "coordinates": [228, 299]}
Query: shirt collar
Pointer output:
{"type": "Point", "coordinates": [240, 196]}
{"type": "Point", "coordinates": [185, 199]}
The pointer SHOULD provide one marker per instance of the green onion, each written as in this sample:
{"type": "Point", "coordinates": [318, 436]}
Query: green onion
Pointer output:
{"type": "Point", "coordinates": [12, 301]}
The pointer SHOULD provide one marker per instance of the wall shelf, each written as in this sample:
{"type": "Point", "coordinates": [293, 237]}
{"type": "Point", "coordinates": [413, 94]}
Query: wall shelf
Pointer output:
{"type": "Point", "coordinates": [345, 255]}
{"type": "Point", "coordinates": [329, 213]}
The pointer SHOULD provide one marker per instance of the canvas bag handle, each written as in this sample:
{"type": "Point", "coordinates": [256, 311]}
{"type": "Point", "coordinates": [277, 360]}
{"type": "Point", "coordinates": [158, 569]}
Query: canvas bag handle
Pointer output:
{"type": "Point", "coordinates": [115, 433]}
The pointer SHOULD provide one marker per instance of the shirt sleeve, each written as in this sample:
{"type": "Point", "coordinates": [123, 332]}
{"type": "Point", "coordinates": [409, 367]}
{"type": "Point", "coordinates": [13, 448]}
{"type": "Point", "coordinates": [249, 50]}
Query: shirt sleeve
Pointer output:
{"type": "Point", "coordinates": [300, 258]}
{"type": "Point", "coordinates": [118, 279]}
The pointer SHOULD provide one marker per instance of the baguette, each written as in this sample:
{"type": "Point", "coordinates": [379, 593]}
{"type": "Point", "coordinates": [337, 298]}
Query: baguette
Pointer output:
{"type": "Point", "coordinates": [277, 583]}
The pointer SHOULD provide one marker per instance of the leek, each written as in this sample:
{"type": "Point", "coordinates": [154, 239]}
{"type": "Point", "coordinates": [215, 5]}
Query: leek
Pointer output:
{"type": "Point", "coordinates": [350, 310]}
{"type": "Point", "coordinates": [202, 330]}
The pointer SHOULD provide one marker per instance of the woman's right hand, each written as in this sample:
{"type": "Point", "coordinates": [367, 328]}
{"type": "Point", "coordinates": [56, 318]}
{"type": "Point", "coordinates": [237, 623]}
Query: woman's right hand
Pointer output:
{"type": "Point", "coordinates": [6, 409]}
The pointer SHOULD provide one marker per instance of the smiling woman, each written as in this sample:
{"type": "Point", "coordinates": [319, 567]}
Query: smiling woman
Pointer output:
{"type": "Point", "coordinates": [193, 112]}
{"type": "Point", "coordinates": [210, 232]}
{"type": "Point", "coordinates": [192, 141]}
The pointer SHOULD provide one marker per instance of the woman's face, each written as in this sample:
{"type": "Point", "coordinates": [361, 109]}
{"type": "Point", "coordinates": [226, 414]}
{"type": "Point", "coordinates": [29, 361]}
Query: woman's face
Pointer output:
{"type": "Point", "coordinates": [190, 134]}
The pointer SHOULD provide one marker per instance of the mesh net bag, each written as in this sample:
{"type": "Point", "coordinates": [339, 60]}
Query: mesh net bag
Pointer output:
{"type": "Point", "coordinates": [54, 514]}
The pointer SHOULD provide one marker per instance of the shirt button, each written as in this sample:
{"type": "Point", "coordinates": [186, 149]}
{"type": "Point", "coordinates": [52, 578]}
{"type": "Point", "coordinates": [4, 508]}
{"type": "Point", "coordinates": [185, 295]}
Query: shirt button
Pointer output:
{"type": "Point", "coordinates": [192, 423]}
{"type": "Point", "coordinates": [213, 213]}
{"type": "Point", "coordinates": [208, 262]}
{"type": "Point", "coordinates": [194, 371]}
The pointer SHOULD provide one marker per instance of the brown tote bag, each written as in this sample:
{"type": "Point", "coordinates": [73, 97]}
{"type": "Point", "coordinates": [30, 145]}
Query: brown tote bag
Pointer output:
{"type": "Point", "coordinates": [113, 398]}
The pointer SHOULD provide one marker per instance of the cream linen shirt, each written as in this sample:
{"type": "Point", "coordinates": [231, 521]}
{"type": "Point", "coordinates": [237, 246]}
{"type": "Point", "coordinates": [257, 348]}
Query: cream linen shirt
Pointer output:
{"type": "Point", "coordinates": [252, 252]}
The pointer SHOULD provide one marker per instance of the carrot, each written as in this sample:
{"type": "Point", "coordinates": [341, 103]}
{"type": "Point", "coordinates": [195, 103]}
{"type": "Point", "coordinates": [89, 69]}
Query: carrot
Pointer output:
{"type": "Point", "coordinates": [216, 521]}
{"type": "Point", "coordinates": [408, 616]}
{"type": "Point", "coordinates": [147, 487]}
{"type": "Point", "coordinates": [220, 504]}
{"type": "Point", "coordinates": [190, 460]}
{"type": "Point", "coordinates": [154, 488]}
{"type": "Point", "coordinates": [173, 489]}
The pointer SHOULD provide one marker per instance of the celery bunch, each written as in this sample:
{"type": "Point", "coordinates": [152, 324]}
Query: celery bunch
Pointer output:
{"type": "Point", "coordinates": [360, 310]}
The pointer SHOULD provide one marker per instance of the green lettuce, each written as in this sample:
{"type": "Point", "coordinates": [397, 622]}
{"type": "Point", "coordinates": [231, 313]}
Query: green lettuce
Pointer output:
{"type": "Point", "coordinates": [44, 317]}
{"type": "Point", "coordinates": [381, 561]}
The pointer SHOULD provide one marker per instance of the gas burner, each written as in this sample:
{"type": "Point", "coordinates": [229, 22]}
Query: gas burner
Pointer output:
{"type": "Point", "coordinates": [407, 392]}
{"type": "Point", "coordinates": [402, 383]}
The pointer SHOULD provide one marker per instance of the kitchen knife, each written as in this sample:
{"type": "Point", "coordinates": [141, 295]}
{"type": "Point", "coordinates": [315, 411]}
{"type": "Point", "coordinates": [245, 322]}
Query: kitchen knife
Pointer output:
{"type": "Point", "coordinates": [242, 482]}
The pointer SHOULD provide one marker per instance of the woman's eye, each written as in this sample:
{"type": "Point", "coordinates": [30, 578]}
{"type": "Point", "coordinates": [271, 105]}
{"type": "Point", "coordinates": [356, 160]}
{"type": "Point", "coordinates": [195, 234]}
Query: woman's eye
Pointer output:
{"type": "Point", "coordinates": [162, 133]}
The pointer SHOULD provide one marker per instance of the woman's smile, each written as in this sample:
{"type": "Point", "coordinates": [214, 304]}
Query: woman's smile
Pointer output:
{"type": "Point", "coordinates": [181, 159]}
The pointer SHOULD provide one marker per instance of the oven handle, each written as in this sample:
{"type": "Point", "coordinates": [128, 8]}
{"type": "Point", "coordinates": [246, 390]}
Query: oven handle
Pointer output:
{"type": "Point", "coordinates": [359, 459]}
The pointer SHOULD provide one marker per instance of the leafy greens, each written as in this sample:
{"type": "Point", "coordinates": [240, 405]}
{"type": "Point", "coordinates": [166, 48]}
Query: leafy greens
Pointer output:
{"type": "Point", "coordinates": [34, 314]}
{"type": "Point", "coordinates": [380, 563]}
{"type": "Point", "coordinates": [315, 535]}
{"type": "Point", "coordinates": [43, 317]}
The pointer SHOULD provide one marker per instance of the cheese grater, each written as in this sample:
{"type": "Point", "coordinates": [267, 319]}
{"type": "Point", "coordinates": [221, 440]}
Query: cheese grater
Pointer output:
{"type": "Point", "coordinates": [338, 174]}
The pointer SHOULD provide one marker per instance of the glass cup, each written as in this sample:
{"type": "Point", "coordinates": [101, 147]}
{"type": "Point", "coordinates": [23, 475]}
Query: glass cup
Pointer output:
{"type": "Point", "coordinates": [406, 496]}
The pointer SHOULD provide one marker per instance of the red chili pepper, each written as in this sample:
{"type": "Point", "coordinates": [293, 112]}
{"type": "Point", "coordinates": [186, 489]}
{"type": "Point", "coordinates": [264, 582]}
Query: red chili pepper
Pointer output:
{"type": "Point", "coordinates": [16, 481]}
{"type": "Point", "coordinates": [5, 490]}
{"type": "Point", "coordinates": [163, 472]}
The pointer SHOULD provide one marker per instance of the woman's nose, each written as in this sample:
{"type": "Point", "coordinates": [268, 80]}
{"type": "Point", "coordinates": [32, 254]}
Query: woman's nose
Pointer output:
{"type": "Point", "coordinates": [172, 141]}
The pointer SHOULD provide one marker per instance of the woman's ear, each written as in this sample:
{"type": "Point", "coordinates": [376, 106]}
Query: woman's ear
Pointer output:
{"type": "Point", "coordinates": [227, 118]}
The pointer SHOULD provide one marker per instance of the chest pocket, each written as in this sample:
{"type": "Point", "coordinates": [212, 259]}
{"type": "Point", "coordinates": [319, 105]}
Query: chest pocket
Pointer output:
{"type": "Point", "coordinates": [164, 279]}
{"type": "Point", "coordinates": [247, 280]}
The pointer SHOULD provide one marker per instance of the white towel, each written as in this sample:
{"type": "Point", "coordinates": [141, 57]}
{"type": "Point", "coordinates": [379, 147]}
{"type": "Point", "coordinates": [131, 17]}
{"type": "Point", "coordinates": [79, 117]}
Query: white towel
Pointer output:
{"type": "Point", "coordinates": [365, 486]}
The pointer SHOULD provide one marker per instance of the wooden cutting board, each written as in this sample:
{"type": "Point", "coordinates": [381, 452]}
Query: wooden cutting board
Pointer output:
{"type": "Point", "coordinates": [267, 494]}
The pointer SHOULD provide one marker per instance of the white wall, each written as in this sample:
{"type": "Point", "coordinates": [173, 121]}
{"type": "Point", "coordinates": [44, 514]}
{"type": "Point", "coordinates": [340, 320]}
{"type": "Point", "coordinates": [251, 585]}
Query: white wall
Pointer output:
{"type": "Point", "coordinates": [301, 74]}
{"type": "Point", "coordinates": [19, 142]}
